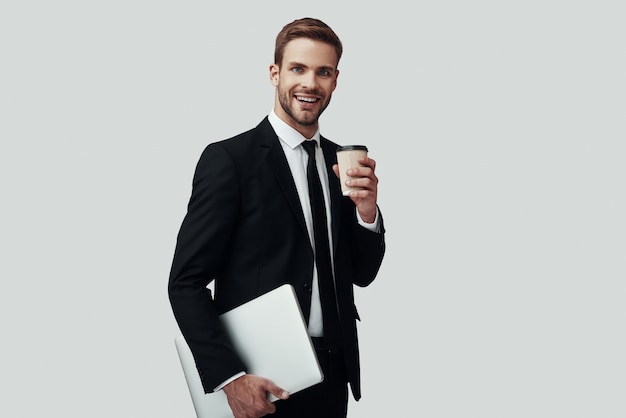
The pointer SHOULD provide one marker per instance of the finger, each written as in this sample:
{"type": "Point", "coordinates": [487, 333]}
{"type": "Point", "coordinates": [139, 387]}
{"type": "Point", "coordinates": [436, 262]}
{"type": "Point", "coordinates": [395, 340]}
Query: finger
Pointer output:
{"type": "Point", "coordinates": [368, 162]}
{"type": "Point", "coordinates": [336, 169]}
{"type": "Point", "coordinates": [280, 393]}
{"type": "Point", "coordinates": [360, 194]}
{"type": "Point", "coordinates": [360, 172]}
{"type": "Point", "coordinates": [360, 183]}
{"type": "Point", "coordinates": [362, 178]}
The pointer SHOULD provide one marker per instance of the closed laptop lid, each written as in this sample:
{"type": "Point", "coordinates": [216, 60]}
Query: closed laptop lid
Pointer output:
{"type": "Point", "coordinates": [270, 335]}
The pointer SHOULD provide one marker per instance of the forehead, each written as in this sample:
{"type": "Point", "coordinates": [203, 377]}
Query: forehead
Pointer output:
{"type": "Point", "coordinates": [310, 52]}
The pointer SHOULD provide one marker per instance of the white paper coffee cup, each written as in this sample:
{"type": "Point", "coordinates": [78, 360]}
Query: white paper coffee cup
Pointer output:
{"type": "Point", "coordinates": [347, 157]}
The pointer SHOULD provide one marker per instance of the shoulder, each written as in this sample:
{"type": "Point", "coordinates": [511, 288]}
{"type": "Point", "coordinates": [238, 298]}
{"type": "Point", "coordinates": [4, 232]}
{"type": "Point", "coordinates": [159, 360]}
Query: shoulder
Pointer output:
{"type": "Point", "coordinates": [245, 142]}
{"type": "Point", "coordinates": [325, 142]}
{"type": "Point", "coordinates": [330, 149]}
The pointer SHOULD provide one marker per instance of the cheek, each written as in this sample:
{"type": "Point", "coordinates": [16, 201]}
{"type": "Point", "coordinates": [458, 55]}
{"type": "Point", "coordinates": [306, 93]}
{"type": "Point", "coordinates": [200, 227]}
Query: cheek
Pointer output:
{"type": "Point", "coordinates": [330, 87]}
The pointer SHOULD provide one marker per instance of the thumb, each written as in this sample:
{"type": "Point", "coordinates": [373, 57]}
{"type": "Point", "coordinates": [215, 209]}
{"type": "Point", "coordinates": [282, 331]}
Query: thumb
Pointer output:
{"type": "Point", "coordinates": [280, 393]}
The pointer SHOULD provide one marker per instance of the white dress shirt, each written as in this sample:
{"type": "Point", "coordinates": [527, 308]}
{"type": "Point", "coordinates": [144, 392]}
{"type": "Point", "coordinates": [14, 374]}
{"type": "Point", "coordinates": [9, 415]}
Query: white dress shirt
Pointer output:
{"type": "Point", "coordinates": [297, 158]}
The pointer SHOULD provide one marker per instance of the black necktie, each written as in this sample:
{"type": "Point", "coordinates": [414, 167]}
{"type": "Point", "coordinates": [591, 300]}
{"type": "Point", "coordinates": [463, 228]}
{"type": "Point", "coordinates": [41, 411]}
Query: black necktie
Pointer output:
{"type": "Point", "coordinates": [332, 334]}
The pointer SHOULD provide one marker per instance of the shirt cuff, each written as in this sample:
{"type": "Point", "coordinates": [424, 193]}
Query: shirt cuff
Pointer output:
{"type": "Point", "coordinates": [227, 381]}
{"type": "Point", "coordinates": [374, 227]}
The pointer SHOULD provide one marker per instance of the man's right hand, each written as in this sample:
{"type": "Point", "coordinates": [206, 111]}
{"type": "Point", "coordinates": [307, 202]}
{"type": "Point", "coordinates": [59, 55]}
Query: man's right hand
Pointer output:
{"type": "Point", "coordinates": [247, 396]}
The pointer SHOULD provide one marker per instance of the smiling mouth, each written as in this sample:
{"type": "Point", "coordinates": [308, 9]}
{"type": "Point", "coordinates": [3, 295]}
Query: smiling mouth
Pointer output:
{"type": "Point", "coordinates": [307, 99]}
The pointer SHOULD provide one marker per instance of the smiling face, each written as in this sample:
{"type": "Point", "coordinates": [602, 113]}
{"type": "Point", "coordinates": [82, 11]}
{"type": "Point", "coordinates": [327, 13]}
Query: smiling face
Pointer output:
{"type": "Point", "coordinates": [304, 81]}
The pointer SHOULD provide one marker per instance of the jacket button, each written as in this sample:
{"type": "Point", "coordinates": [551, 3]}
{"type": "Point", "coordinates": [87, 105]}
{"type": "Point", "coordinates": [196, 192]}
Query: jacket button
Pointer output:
{"type": "Point", "coordinates": [307, 287]}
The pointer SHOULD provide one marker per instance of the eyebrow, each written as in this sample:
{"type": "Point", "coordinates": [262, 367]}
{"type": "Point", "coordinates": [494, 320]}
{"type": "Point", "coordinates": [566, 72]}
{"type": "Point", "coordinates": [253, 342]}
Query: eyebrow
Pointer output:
{"type": "Point", "coordinates": [299, 64]}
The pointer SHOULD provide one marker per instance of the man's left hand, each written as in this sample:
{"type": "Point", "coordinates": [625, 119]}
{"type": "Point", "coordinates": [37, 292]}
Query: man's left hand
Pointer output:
{"type": "Point", "coordinates": [363, 177]}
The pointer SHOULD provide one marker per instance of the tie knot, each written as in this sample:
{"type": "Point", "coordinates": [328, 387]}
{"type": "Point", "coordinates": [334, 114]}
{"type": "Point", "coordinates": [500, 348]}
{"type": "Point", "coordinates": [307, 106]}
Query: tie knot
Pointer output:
{"type": "Point", "coordinates": [309, 146]}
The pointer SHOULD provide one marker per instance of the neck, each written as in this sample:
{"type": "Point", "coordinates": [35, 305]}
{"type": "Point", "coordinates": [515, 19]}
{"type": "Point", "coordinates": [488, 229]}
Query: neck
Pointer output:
{"type": "Point", "coordinates": [306, 131]}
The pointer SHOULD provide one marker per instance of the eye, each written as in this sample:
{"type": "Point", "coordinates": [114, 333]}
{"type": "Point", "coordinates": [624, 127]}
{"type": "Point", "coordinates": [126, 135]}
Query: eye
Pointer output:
{"type": "Point", "coordinates": [297, 69]}
{"type": "Point", "coordinates": [326, 72]}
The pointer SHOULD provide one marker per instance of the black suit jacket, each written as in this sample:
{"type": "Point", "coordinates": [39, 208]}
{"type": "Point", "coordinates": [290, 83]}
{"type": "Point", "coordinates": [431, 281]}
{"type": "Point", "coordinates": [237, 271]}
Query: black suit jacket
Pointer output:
{"type": "Point", "coordinates": [245, 229]}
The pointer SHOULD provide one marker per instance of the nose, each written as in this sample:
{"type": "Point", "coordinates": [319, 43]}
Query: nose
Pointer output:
{"type": "Point", "coordinates": [308, 80]}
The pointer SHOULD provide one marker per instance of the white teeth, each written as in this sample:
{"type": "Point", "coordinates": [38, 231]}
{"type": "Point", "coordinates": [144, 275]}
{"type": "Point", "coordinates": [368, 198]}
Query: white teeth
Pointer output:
{"type": "Point", "coordinates": [307, 99]}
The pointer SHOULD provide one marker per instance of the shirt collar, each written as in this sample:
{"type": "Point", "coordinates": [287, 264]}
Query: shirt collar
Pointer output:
{"type": "Point", "coordinates": [287, 134]}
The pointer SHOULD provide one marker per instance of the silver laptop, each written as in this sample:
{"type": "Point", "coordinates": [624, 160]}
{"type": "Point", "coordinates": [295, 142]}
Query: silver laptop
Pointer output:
{"type": "Point", "coordinates": [270, 335]}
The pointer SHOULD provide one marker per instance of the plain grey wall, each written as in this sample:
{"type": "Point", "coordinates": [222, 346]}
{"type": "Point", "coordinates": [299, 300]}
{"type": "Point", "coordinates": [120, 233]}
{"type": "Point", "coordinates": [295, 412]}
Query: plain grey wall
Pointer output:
{"type": "Point", "coordinates": [498, 128]}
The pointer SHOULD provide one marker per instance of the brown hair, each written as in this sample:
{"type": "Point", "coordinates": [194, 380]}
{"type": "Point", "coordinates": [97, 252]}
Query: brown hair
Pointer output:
{"type": "Point", "coordinates": [306, 28]}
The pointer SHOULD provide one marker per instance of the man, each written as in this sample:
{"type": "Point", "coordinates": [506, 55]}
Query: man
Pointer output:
{"type": "Point", "coordinates": [250, 227]}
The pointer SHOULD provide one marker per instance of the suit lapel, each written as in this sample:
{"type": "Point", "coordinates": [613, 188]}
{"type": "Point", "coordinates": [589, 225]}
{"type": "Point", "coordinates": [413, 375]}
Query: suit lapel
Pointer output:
{"type": "Point", "coordinates": [278, 162]}
{"type": "Point", "coordinates": [272, 150]}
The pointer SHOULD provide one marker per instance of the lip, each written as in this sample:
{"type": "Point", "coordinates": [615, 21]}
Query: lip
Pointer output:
{"type": "Point", "coordinates": [304, 104]}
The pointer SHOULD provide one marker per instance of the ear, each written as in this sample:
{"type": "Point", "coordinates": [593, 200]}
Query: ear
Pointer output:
{"type": "Point", "coordinates": [274, 74]}
{"type": "Point", "coordinates": [336, 77]}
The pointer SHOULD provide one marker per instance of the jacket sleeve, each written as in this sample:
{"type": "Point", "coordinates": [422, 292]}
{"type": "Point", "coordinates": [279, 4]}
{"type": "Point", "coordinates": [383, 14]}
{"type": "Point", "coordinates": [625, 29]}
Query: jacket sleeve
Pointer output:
{"type": "Point", "coordinates": [366, 247]}
{"type": "Point", "coordinates": [369, 249]}
{"type": "Point", "coordinates": [201, 244]}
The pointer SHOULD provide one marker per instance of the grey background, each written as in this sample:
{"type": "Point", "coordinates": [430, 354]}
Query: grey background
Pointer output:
{"type": "Point", "coordinates": [498, 128]}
